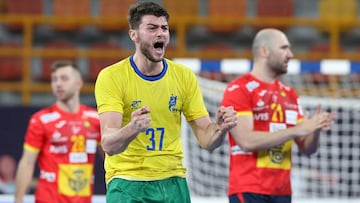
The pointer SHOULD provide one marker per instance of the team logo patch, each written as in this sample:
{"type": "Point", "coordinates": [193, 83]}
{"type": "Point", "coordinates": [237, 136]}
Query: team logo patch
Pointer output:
{"type": "Point", "coordinates": [75, 180]}
{"type": "Point", "coordinates": [172, 104]}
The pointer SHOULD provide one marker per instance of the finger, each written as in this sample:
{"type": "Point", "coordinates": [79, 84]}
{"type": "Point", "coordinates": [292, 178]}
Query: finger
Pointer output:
{"type": "Point", "coordinates": [144, 110]}
{"type": "Point", "coordinates": [307, 115]}
{"type": "Point", "coordinates": [318, 108]}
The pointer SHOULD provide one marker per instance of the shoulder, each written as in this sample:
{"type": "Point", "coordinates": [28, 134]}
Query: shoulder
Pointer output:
{"type": "Point", "coordinates": [180, 72]}
{"type": "Point", "coordinates": [178, 66]}
{"type": "Point", "coordinates": [90, 112]}
{"type": "Point", "coordinates": [116, 67]}
{"type": "Point", "coordinates": [240, 82]}
{"type": "Point", "coordinates": [286, 87]}
{"type": "Point", "coordinates": [46, 114]}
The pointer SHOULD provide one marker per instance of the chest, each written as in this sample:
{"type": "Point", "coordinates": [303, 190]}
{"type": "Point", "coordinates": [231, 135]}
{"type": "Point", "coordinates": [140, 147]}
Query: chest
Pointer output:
{"type": "Point", "coordinates": [74, 134]}
{"type": "Point", "coordinates": [274, 105]}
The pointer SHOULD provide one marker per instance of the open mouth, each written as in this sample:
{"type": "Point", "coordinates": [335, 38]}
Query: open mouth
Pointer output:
{"type": "Point", "coordinates": [159, 45]}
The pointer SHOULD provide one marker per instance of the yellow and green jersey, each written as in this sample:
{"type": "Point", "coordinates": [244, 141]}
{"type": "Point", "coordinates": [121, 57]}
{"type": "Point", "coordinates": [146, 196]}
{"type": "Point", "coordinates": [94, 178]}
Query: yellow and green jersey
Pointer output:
{"type": "Point", "coordinates": [156, 153]}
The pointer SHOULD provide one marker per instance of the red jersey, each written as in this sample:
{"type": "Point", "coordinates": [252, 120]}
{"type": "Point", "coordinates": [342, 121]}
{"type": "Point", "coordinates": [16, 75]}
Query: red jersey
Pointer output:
{"type": "Point", "coordinates": [67, 144]}
{"type": "Point", "coordinates": [273, 107]}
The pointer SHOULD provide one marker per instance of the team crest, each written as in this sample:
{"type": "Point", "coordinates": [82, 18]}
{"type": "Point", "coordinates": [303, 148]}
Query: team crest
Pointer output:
{"type": "Point", "coordinates": [78, 182]}
{"type": "Point", "coordinates": [172, 104]}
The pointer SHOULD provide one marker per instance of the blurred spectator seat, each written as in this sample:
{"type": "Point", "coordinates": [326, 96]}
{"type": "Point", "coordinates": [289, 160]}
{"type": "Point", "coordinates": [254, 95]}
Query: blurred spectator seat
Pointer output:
{"type": "Point", "coordinates": [22, 7]}
{"type": "Point", "coordinates": [54, 46]}
{"type": "Point", "coordinates": [338, 10]}
{"type": "Point", "coordinates": [220, 9]}
{"type": "Point", "coordinates": [275, 8]}
{"type": "Point", "coordinates": [98, 63]}
{"type": "Point", "coordinates": [11, 66]}
{"type": "Point", "coordinates": [2, 6]}
{"type": "Point", "coordinates": [114, 9]}
{"type": "Point", "coordinates": [73, 9]}
{"type": "Point", "coordinates": [187, 8]}
{"type": "Point", "coordinates": [217, 49]}
{"type": "Point", "coordinates": [320, 47]}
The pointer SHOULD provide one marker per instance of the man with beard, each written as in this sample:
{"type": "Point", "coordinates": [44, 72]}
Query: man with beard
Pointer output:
{"type": "Point", "coordinates": [63, 138]}
{"type": "Point", "coordinates": [140, 101]}
{"type": "Point", "coordinates": [270, 120]}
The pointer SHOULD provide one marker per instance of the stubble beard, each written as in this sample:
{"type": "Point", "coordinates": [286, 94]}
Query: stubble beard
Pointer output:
{"type": "Point", "coordinates": [145, 50]}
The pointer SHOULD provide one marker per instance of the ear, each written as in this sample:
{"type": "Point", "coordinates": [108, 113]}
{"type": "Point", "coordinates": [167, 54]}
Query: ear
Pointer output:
{"type": "Point", "coordinates": [132, 34]}
{"type": "Point", "coordinates": [264, 51]}
{"type": "Point", "coordinates": [80, 83]}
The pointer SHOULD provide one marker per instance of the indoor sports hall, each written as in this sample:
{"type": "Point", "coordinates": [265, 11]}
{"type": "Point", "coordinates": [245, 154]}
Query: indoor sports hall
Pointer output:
{"type": "Point", "coordinates": [213, 38]}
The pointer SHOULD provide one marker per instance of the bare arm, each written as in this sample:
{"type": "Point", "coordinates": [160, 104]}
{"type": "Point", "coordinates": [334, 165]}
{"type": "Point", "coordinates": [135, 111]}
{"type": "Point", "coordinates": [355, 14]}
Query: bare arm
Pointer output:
{"type": "Point", "coordinates": [309, 143]}
{"type": "Point", "coordinates": [250, 140]}
{"type": "Point", "coordinates": [24, 174]}
{"type": "Point", "coordinates": [114, 137]}
{"type": "Point", "coordinates": [211, 135]}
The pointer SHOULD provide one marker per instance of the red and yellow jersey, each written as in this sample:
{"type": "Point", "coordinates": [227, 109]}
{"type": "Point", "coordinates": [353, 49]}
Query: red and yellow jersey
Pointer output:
{"type": "Point", "coordinates": [66, 143]}
{"type": "Point", "coordinates": [273, 107]}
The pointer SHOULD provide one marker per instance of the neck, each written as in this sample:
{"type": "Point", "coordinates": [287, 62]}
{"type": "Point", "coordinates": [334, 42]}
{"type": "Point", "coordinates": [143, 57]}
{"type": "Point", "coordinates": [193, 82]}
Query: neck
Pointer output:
{"type": "Point", "coordinates": [260, 71]}
{"type": "Point", "coordinates": [71, 105]}
{"type": "Point", "coordinates": [146, 66]}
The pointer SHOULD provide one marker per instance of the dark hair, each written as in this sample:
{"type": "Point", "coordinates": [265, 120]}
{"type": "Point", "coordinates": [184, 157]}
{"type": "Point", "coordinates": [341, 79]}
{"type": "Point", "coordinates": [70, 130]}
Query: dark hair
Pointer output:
{"type": "Point", "coordinates": [62, 63]}
{"type": "Point", "coordinates": [137, 11]}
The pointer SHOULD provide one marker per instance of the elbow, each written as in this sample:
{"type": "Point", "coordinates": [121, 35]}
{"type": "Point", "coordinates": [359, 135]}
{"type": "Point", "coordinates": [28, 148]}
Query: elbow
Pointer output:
{"type": "Point", "coordinates": [210, 148]}
{"type": "Point", "coordinates": [246, 147]}
{"type": "Point", "coordinates": [111, 149]}
{"type": "Point", "coordinates": [308, 153]}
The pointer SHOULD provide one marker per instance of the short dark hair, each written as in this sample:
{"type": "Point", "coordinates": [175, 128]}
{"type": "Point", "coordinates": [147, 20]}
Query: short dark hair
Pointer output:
{"type": "Point", "coordinates": [137, 11]}
{"type": "Point", "coordinates": [63, 63]}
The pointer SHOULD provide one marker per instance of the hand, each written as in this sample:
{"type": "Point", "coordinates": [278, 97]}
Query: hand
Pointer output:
{"type": "Point", "coordinates": [226, 118]}
{"type": "Point", "coordinates": [320, 121]}
{"type": "Point", "coordinates": [140, 119]}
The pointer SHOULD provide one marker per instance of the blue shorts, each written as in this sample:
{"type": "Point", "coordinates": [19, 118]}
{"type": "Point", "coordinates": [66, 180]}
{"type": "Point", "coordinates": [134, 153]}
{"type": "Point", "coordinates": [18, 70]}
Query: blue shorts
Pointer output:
{"type": "Point", "coordinates": [248, 197]}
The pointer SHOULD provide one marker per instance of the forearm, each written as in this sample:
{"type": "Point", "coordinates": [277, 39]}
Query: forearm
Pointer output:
{"type": "Point", "coordinates": [23, 178]}
{"type": "Point", "coordinates": [115, 140]}
{"type": "Point", "coordinates": [260, 140]}
{"type": "Point", "coordinates": [215, 137]}
{"type": "Point", "coordinates": [309, 144]}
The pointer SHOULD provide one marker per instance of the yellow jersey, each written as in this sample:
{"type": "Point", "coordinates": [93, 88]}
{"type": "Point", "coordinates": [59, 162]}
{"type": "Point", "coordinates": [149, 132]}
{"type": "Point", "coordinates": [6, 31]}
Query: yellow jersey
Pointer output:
{"type": "Point", "coordinates": [156, 153]}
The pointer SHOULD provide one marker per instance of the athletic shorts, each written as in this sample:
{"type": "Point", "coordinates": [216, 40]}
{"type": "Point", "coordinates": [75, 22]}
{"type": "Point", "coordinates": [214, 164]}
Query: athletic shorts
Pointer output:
{"type": "Point", "coordinates": [247, 197]}
{"type": "Point", "coordinates": [171, 190]}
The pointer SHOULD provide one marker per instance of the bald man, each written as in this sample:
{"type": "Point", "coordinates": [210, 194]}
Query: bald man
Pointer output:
{"type": "Point", "coordinates": [270, 120]}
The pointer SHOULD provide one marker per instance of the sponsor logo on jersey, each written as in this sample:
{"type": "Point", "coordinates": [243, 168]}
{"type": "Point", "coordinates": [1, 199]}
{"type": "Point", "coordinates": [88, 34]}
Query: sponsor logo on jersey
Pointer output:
{"type": "Point", "coordinates": [46, 118]}
{"type": "Point", "coordinates": [262, 93]}
{"type": "Point", "coordinates": [250, 86]}
{"type": "Point", "coordinates": [233, 87]}
{"type": "Point", "coordinates": [56, 137]}
{"type": "Point", "coordinates": [60, 124]}
{"type": "Point", "coordinates": [58, 149]}
{"type": "Point", "coordinates": [49, 176]}
{"type": "Point", "coordinates": [135, 104]}
{"type": "Point", "coordinates": [261, 116]}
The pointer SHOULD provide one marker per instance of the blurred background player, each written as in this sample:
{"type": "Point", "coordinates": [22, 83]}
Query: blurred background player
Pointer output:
{"type": "Point", "coordinates": [64, 138]}
{"type": "Point", "coordinates": [7, 174]}
{"type": "Point", "coordinates": [268, 113]}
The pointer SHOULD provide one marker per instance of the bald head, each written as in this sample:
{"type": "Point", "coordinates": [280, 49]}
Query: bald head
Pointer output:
{"type": "Point", "coordinates": [268, 38]}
